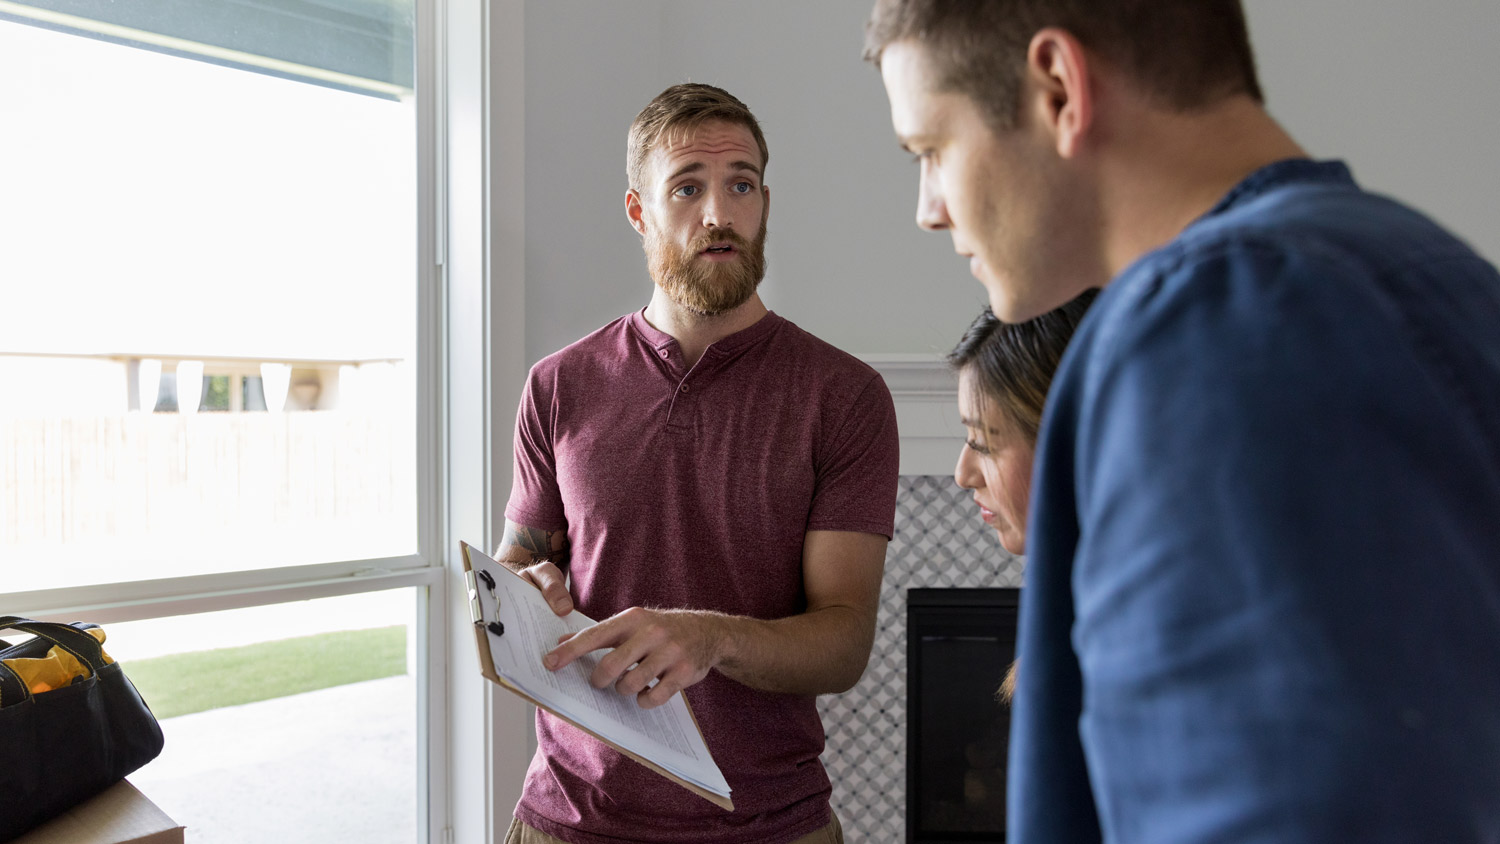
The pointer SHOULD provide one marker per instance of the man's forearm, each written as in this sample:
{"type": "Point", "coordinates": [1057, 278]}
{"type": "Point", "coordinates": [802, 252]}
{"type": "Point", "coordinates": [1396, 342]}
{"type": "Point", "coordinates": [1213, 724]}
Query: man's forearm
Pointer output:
{"type": "Point", "coordinates": [823, 651]}
{"type": "Point", "coordinates": [522, 547]}
{"type": "Point", "coordinates": [654, 653]}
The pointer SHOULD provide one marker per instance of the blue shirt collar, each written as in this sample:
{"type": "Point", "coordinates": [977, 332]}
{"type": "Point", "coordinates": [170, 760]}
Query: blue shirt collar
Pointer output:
{"type": "Point", "coordinates": [1279, 173]}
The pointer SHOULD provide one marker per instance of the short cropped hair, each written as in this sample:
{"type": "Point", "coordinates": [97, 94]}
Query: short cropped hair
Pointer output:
{"type": "Point", "coordinates": [683, 108]}
{"type": "Point", "coordinates": [1013, 363]}
{"type": "Point", "coordinates": [1184, 54]}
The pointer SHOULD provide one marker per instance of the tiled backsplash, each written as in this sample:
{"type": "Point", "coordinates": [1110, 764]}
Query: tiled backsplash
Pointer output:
{"type": "Point", "coordinates": [939, 542]}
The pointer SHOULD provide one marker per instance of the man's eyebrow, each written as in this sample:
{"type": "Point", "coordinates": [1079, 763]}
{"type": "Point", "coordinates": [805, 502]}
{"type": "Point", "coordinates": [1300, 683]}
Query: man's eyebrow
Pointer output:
{"type": "Point", "coordinates": [698, 165]}
{"type": "Point", "coordinates": [909, 143]}
{"type": "Point", "coordinates": [684, 170]}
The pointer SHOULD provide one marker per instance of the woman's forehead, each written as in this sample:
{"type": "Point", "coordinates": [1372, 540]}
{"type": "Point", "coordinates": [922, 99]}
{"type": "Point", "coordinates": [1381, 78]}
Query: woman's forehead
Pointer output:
{"type": "Point", "coordinates": [981, 411]}
{"type": "Point", "coordinates": [974, 406]}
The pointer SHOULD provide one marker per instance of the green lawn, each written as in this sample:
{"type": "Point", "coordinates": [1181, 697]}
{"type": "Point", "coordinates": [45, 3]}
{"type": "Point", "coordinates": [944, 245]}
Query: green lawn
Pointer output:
{"type": "Point", "coordinates": [180, 684]}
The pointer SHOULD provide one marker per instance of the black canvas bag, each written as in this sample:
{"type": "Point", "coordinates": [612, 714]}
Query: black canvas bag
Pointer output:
{"type": "Point", "coordinates": [59, 748]}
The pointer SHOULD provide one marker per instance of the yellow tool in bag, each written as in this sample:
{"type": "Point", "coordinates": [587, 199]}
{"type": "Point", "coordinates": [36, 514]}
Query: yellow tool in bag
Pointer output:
{"type": "Point", "coordinates": [57, 669]}
{"type": "Point", "coordinates": [71, 723]}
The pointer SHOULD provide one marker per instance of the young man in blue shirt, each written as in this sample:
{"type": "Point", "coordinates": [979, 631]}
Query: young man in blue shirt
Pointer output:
{"type": "Point", "coordinates": [1263, 596]}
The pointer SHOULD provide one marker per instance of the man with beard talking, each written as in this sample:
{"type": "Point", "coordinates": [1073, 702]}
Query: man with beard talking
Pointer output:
{"type": "Point", "coordinates": [716, 484]}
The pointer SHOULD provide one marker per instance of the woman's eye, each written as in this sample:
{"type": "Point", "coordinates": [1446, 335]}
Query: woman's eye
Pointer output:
{"type": "Point", "coordinates": [686, 190]}
{"type": "Point", "coordinates": [977, 448]}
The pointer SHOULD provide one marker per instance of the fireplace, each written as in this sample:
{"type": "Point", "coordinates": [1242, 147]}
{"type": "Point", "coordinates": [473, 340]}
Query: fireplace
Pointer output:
{"type": "Point", "coordinates": [959, 643]}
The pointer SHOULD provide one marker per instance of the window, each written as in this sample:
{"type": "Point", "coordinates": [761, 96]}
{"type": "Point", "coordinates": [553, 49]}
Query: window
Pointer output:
{"type": "Point", "coordinates": [180, 225]}
{"type": "Point", "coordinates": [212, 344]}
{"type": "Point", "coordinates": [308, 706]}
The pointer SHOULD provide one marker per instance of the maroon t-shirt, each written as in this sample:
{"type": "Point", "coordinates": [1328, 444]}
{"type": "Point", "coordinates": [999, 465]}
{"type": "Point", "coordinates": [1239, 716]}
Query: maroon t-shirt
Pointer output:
{"type": "Point", "coordinates": [694, 489]}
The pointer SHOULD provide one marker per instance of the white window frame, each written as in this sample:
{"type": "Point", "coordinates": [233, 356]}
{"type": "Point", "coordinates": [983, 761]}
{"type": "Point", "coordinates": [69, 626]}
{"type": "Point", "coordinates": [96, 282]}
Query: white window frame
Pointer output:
{"type": "Point", "coordinates": [471, 347]}
{"type": "Point", "coordinates": [485, 269]}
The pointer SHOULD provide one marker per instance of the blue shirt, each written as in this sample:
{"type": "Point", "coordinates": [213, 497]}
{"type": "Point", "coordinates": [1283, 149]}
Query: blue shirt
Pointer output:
{"type": "Point", "coordinates": [1263, 594]}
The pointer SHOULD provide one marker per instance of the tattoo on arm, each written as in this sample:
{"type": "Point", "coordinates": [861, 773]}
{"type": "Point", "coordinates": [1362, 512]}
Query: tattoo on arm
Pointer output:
{"type": "Point", "coordinates": [528, 546]}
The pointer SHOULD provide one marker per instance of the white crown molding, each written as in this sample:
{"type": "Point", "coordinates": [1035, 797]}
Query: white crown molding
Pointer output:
{"type": "Point", "coordinates": [926, 397]}
{"type": "Point", "coordinates": [915, 376]}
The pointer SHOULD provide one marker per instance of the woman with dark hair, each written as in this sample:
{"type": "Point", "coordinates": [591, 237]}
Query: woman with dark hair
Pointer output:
{"type": "Point", "coordinates": [1004, 371]}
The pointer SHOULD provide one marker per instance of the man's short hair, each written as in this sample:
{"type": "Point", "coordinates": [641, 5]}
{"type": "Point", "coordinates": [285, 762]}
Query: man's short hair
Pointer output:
{"type": "Point", "coordinates": [1185, 54]}
{"type": "Point", "coordinates": [683, 108]}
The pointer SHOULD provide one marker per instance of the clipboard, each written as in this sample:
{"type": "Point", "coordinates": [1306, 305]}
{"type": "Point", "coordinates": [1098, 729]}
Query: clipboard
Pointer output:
{"type": "Point", "coordinates": [483, 627]}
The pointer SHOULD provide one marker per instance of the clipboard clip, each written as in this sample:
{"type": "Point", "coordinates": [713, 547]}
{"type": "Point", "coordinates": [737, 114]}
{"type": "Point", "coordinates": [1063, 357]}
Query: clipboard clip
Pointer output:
{"type": "Point", "coordinates": [476, 614]}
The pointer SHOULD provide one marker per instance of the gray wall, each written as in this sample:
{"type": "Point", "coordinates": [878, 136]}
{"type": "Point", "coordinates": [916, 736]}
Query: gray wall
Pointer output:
{"type": "Point", "coordinates": [1401, 93]}
{"type": "Point", "coordinates": [845, 260]}
{"type": "Point", "coordinates": [1402, 90]}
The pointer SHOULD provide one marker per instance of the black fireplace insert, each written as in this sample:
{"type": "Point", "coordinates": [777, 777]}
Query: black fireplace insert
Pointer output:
{"type": "Point", "coordinates": [959, 643]}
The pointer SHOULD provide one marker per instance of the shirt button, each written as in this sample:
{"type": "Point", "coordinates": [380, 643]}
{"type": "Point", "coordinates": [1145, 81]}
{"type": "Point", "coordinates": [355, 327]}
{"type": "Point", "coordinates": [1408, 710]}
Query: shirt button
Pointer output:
{"type": "Point", "coordinates": [665, 354]}
{"type": "Point", "coordinates": [683, 388]}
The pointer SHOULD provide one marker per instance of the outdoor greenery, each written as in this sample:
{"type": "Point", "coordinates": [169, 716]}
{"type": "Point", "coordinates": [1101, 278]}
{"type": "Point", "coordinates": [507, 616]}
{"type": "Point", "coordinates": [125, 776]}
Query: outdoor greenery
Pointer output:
{"type": "Point", "coordinates": [181, 684]}
{"type": "Point", "coordinates": [215, 393]}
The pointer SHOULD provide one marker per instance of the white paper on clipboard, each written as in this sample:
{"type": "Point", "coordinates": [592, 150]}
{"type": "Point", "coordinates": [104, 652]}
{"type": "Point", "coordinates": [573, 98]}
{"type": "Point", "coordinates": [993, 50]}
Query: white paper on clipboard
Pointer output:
{"type": "Point", "coordinates": [665, 738]}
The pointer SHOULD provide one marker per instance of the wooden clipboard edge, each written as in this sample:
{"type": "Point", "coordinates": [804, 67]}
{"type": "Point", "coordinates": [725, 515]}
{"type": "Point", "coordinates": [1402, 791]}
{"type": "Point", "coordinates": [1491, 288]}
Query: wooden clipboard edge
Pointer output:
{"type": "Point", "coordinates": [486, 661]}
{"type": "Point", "coordinates": [487, 668]}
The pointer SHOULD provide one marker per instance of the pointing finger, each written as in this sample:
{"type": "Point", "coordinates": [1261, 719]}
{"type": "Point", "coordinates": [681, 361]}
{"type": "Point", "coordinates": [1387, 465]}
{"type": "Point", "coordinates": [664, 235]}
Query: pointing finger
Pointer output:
{"type": "Point", "coordinates": [601, 635]}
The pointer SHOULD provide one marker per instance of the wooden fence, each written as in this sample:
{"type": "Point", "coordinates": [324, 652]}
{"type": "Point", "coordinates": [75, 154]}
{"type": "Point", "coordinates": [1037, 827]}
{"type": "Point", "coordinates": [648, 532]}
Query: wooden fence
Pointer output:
{"type": "Point", "coordinates": [162, 481]}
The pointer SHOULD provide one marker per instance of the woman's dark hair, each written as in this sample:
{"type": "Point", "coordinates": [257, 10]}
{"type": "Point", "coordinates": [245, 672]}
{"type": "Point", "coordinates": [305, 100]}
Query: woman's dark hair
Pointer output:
{"type": "Point", "coordinates": [1013, 363]}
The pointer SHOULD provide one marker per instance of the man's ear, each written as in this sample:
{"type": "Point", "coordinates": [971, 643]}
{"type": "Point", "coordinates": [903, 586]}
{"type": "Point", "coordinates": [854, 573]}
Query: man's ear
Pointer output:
{"type": "Point", "coordinates": [634, 211]}
{"type": "Point", "coordinates": [1059, 86]}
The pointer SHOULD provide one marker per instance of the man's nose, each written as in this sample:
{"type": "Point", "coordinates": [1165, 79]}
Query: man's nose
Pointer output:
{"type": "Point", "coordinates": [715, 212]}
{"type": "Point", "coordinates": [932, 212]}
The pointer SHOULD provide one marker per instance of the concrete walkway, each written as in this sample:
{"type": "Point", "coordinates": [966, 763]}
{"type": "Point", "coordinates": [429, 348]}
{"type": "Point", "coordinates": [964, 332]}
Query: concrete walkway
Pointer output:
{"type": "Point", "coordinates": [324, 767]}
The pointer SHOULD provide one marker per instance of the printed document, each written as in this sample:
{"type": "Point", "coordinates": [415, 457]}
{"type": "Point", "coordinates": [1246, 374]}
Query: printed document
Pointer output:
{"type": "Point", "coordinates": [665, 738]}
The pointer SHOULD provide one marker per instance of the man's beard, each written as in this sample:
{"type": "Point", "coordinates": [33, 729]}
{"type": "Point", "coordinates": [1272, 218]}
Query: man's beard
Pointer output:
{"type": "Point", "coordinates": [708, 288]}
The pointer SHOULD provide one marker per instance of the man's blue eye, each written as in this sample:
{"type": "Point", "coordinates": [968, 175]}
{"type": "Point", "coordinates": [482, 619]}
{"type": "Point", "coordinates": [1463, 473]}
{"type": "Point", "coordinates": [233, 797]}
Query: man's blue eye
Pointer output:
{"type": "Point", "coordinates": [744, 187]}
{"type": "Point", "coordinates": [687, 190]}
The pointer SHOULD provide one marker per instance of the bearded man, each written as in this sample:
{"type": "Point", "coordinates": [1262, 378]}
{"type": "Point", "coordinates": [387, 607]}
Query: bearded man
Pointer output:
{"type": "Point", "coordinates": [719, 486]}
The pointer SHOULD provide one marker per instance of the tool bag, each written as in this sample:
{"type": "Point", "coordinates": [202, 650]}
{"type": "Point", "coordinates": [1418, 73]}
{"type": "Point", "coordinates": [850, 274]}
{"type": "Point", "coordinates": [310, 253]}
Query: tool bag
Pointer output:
{"type": "Point", "coordinates": [63, 742]}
